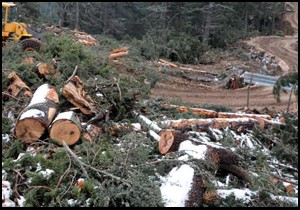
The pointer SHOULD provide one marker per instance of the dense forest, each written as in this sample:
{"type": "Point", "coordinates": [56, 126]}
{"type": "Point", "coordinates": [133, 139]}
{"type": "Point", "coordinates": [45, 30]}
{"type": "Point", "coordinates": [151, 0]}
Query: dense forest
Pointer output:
{"type": "Point", "coordinates": [170, 27]}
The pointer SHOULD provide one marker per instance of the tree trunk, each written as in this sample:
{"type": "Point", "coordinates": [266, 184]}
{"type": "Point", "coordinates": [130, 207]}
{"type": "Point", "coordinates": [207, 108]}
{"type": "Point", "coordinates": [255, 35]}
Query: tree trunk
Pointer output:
{"type": "Point", "coordinates": [168, 63]}
{"type": "Point", "coordinates": [65, 127]}
{"type": "Point", "coordinates": [217, 123]}
{"type": "Point", "coordinates": [201, 112]}
{"type": "Point", "coordinates": [246, 19]}
{"type": "Point", "coordinates": [74, 93]}
{"type": "Point", "coordinates": [207, 24]}
{"type": "Point", "coordinates": [237, 115]}
{"type": "Point", "coordinates": [145, 122]}
{"type": "Point", "coordinates": [117, 55]}
{"type": "Point", "coordinates": [77, 16]}
{"type": "Point", "coordinates": [123, 49]}
{"type": "Point", "coordinates": [37, 116]}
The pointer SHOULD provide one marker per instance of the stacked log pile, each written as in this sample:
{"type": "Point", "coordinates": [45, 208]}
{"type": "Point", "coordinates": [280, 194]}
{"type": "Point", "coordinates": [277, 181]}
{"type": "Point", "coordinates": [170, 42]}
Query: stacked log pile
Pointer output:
{"type": "Point", "coordinates": [85, 38]}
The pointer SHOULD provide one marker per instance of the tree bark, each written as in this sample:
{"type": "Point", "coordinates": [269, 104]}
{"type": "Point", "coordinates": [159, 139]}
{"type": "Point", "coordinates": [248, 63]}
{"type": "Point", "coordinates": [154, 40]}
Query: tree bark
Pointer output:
{"type": "Point", "coordinates": [218, 123]}
{"type": "Point", "coordinates": [118, 55]}
{"type": "Point", "coordinates": [123, 49]}
{"type": "Point", "coordinates": [37, 116]}
{"type": "Point", "coordinates": [168, 63]}
{"type": "Point", "coordinates": [65, 127]}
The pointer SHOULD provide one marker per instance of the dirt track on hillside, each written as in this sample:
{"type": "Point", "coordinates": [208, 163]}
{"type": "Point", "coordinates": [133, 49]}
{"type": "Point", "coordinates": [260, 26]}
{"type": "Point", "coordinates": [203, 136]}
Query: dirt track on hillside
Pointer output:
{"type": "Point", "coordinates": [283, 48]}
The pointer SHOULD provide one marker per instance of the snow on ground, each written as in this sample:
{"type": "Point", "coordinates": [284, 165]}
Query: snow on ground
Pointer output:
{"type": "Point", "coordinates": [21, 201]}
{"type": "Point", "coordinates": [285, 198]}
{"type": "Point", "coordinates": [176, 186]}
{"type": "Point", "coordinates": [47, 173]}
{"type": "Point", "coordinates": [6, 193]}
{"type": "Point", "coordinates": [6, 137]}
{"type": "Point", "coordinates": [196, 151]}
{"type": "Point", "coordinates": [240, 194]}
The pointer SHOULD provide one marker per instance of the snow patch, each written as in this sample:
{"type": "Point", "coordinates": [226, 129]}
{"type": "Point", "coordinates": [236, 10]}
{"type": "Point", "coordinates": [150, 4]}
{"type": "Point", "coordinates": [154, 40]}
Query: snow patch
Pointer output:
{"type": "Point", "coordinates": [40, 95]}
{"type": "Point", "coordinates": [285, 198]}
{"type": "Point", "coordinates": [6, 137]}
{"type": "Point", "coordinates": [72, 202]}
{"type": "Point", "coordinates": [64, 115]}
{"type": "Point", "coordinates": [21, 201]}
{"type": "Point", "coordinates": [32, 113]}
{"type": "Point", "coordinates": [197, 152]}
{"type": "Point", "coordinates": [136, 126]}
{"type": "Point", "coordinates": [47, 173]}
{"type": "Point", "coordinates": [176, 186]}
{"type": "Point", "coordinates": [241, 194]}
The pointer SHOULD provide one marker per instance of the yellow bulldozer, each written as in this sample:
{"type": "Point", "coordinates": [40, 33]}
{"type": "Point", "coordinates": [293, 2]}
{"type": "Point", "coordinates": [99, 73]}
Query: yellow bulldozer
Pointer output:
{"type": "Point", "coordinates": [14, 31]}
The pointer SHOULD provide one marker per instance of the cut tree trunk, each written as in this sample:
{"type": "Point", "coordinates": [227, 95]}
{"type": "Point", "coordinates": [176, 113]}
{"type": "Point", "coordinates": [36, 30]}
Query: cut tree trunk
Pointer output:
{"type": "Point", "coordinates": [168, 63]}
{"type": "Point", "coordinates": [118, 55]}
{"type": "Point", "coordinates": [218, 123]}
{"type": "Point", "coordinates": [44, 69]}
{"type": "Point", "coordinates": [16, 85]}
{"type": "Point", "coordinates": [65, 127]}
{"type": "Point", "coordinates": [37, 116]}
{"type": "Point", "coordinates": [237, 115]}
{"type": "Point", "coordinates": [170, 140]}
{"type": "Point", "coordinates": [202, 112]}
{"type": "Point", "coordinates": [123, 49]}
{"type": "Point", "coordinates": [74, 93]}
{"type": "Point", "coordinates": [145, 122]}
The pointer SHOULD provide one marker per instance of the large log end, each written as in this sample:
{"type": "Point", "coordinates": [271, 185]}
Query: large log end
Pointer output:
{"type": "Point", "coordinates": [25, 132]}
{"type": "Point", "coordinates": [166, 141]}
{"type": "Point", "coordinates": [65, 130]}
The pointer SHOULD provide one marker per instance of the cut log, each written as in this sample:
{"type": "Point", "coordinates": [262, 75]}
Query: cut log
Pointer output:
{"type": "Point", "coordinates": [145, 122]}
{"type": "Point", "coordinates": [170, 140]}
{"type": "Point", "coordinates": [74, 93]}
{"type": "Point", "coordinates": [123, 49]}
{"type": "Point", "coordinates": [65, 127]}
{"type": "Point", "coordinates": [201, 112]}
{"type": "Point", "coordinates": [37, 116]}
{"type": "Point", "coordinates": [44, 69]}
{"type": "Point", "coordinates": [238, 115]}
{"type": "Point", "coordinates": [118, 55]}
{"type": "Point", "coordinates": [218, 123]}
{"type": "Point", "coordinates": [16, 85]}
{"type": "Point", "coordinates": [236, 171]}
{"type": "Point", "coordinates": [168, 63]}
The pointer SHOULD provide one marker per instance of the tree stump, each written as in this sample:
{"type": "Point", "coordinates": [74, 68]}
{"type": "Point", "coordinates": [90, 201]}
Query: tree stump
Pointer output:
{"type": "Point", "coordinates": [65, 127]}
{"type": "Point", "coordinates": [37, 116]}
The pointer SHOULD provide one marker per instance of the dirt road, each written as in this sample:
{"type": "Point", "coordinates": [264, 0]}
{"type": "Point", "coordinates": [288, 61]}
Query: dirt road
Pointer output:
{"type": "Point", "coordinates": [283, 48]}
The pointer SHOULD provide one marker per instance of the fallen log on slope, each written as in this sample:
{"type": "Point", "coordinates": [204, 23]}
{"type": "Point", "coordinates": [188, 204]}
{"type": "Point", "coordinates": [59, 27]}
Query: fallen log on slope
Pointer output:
{"type": "Point", "coordinates": [117, 55]}
{"type": "Point", "coordinates": [37, 116]}
{"type": "Point", "coordinates": [240, 115]}
{"type": "Point", "coordinates": [145, 122]}
{"type": "Point", "coordinates": [65, 127]}
{"type": "Point", "coordinates": [168, 63]}
{"type": "Point", "coordinates": [16, 85]}
{"type": "Point", "coordinates": [74, 93]}
{"type": "Point", "coordinates": [218, 123]}
{"type": "Point", "coordinates": [123, 49]}
{"type": "Point", "coordinates": [198, 111]}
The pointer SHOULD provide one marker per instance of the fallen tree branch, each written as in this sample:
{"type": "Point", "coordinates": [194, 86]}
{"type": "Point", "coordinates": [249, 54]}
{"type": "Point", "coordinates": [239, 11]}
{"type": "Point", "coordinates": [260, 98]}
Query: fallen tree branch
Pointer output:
{"type": "Point", "coordinates": [73, 74]}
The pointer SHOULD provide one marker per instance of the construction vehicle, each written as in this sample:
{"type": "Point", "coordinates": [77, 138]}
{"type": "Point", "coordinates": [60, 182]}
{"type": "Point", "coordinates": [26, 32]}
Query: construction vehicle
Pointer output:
{"type": "Point", "coordinates": [14, 31]}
